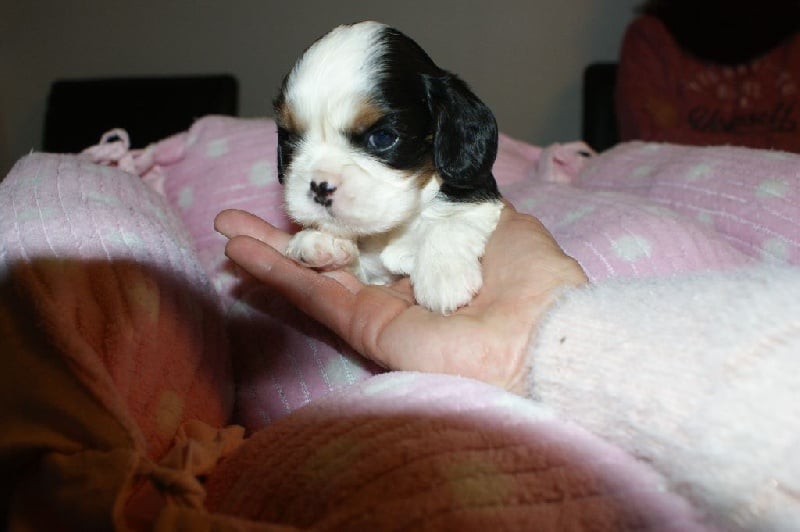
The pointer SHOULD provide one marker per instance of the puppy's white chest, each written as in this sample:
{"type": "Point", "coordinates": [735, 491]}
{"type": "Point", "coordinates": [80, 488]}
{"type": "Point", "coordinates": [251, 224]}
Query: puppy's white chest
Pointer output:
{"type": "Point", "coordinates": [440, 251]}
{"type": "Point", "coordinates": [379, 261]}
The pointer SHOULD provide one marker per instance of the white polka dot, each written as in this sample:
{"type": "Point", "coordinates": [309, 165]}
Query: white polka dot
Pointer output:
{"type": "Point", "coordinates": [777, 155]}
{"type": "Point", "coordinates": [528, 204]}
{"type": "Point", "coordinates": [772, 189]}
{"type": "Point", "coordinates": [698, 172]}
{"type": "Point", "coordinates": [106, 199]}
{"type": "Point", "coordinates": [223, 281]}
{"type": "Point", "coordinates": [660, 211]}
{"type": "Point", "coordinates": [775, 250]}
{"type": "Point", "coordinates": [186, 197]}
{"type": "Point", "coordinates": [217, 148]}
{"type": "Point", "coordinates": [262, 173]}
{"type": "Point", "coordinates": [44, 213]}
{"type": "Point", "coordinates": [341, 370]}
{"type": "Point", "coordinates": [631, 248]}
{"type": "Point", "coordinates": [642, 171]}
{"type": "Point", "coordinates": [158, 212]}
{"type": "Point", "coordinates": [240, 309]}
{"type": "Point", "coordinates": [705, 218]}
{"type": "Point", "coordinates": [392, 384]}
{"type": "Point", "coordinates": [126, 238]}
{"type": "Point", "coordinates": [518, 406]}
{"type": "Point", "coordinates": [575, 215]}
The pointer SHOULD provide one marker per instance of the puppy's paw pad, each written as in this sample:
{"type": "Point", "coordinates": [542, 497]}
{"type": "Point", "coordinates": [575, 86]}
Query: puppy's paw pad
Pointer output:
{"type": "Point", "coordinates": [447, 287]}
{"type": "Point", "coordinates": [321, 250]}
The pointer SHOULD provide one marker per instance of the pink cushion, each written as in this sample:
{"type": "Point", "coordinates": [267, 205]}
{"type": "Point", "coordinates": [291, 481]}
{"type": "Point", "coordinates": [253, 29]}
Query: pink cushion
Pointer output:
{"type": "Point", "coordinates": [117, 288]}
{"type": "Point", "coordinates": [282, 360]}
{"type": "Point", "coordinates": [638, 210]}
{"type": "Point", "coordinates": [404, 451]}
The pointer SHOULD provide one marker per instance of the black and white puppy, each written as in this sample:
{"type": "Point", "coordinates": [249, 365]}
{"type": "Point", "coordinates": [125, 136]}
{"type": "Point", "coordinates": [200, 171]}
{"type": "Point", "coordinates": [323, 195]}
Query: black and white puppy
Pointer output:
{"type": "Point", "coordinates": [387, 163]}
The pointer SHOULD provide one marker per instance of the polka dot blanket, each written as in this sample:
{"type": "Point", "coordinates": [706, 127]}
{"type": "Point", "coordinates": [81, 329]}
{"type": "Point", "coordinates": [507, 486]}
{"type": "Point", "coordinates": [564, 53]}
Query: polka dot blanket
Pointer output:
{"type": "Point", "coordinates": [640, 209]}
{"type": "Point", "coordinates": [111, 262]}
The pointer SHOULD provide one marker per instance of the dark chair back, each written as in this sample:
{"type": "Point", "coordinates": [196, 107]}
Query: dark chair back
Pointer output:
{"type": "Point", "coordinates": [599, 128]}
{"type": "Point", "coordinates": [150, 109]}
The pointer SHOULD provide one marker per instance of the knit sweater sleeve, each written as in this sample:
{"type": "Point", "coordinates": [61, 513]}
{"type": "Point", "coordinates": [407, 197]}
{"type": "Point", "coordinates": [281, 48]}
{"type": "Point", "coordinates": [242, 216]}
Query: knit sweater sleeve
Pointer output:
{"type": "Point", "coordinates": [697, 375]}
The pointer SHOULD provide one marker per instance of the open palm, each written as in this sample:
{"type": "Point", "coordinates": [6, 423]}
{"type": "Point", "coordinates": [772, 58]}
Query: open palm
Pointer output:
{"type": "Point", "coordinates": [524, 269]}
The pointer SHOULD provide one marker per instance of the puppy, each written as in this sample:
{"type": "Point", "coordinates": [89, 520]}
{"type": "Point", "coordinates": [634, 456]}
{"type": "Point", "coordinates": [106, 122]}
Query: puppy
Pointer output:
{"type": "Point", "coordinates": [387, 163]}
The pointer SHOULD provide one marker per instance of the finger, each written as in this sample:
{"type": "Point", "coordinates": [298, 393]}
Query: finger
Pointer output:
{"type": "Point", "coordinates": [358, 314]}
{"type": "Point", "coordinates": [508, 207]}
{"type": "Point", "coordinates": [403, 289]}
{"type": "Point", "coordinates": [234, 222]}
{"type": "Point", "coordinates": [344, 278]}
{"type": "Point", "coordinates": [322, 297]}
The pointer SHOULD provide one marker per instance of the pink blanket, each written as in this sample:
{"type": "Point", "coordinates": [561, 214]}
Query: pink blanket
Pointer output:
{"type": "Point", "coordinates": [638, 210]}
{"type": "Point", "coordinates": [133, 289]}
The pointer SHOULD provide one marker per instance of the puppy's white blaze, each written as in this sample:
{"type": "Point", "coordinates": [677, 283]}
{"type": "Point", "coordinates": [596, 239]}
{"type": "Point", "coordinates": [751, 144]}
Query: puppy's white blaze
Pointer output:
{"type": "Point", "coordinates": [326, 92]}
{"type": "Point", "coordinates": [369, 197]}
{"type": "Point", "coordinates": [335, 73]}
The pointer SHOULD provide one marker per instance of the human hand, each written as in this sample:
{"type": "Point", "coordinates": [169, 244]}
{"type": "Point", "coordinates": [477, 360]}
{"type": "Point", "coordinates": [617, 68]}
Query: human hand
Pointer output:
{"type": "Point", "coordinates": [523, 267]}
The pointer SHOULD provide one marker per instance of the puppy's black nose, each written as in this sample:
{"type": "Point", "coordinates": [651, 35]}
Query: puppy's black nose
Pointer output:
{"type": "Point", "coordinates": [322, 193]}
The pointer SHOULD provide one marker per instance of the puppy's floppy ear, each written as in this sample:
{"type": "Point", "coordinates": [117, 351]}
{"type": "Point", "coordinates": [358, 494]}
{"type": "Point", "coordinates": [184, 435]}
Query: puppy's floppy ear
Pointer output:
{"type": "Point", "coordinates": [286, 140]}
{"type": "Point", "coordinates": [465, 139]}
{"type": "Point", "coordinates": [282, 154]}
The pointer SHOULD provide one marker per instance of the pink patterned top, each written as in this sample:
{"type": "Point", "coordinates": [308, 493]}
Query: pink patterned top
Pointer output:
{"type": "Point", "coordinates": [665, 94]}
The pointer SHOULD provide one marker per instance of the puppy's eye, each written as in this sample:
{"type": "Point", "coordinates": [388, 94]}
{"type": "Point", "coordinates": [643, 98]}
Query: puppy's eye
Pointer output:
{"type": "Point", "coordinates": [382, 139]}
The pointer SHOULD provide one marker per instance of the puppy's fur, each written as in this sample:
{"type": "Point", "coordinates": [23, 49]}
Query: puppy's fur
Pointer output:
{"type": "Point", "coordinates": [386, 161]}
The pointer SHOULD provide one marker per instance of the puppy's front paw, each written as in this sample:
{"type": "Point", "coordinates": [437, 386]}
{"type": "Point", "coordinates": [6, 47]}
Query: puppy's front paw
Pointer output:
{"type": "Point", "coordinates": [321, 250]}
{"type": "Point", "coordinates": [447, 271]}
{"type": "Point", "coordinates": [447, 285]}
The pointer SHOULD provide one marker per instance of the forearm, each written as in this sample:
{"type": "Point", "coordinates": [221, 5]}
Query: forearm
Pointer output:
{"type": "Point", "coordinates": [697, 375]}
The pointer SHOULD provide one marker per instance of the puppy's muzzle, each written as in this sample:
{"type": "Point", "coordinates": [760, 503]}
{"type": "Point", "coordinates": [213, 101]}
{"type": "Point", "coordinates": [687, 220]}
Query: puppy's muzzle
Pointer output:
{"type": "Point", "coordinates": [322, 193]}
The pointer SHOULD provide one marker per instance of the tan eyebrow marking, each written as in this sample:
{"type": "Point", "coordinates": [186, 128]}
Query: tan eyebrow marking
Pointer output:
{"type": "Point", "coordinates": [367, 116]}
{"type": "Point", "coordinates": [285, 117]}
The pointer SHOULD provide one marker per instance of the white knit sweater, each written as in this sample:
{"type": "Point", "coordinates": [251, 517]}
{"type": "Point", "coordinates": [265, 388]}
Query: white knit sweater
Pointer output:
{"type": "Point", "coordinates": [698, 375]}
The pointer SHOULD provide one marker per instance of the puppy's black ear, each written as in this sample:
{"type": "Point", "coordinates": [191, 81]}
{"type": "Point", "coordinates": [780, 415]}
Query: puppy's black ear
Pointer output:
{"type": "Point", "coordinates": [286, 139]}
{"type": "Point", "coordinates": [465, 139]}
{"type": "Point", "coordinates": [283, 154]}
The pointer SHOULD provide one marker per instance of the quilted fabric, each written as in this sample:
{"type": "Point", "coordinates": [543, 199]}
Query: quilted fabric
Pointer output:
{"type": "Point", "coordinates": [639, 210]}
{"type": "Point", "coordinates": [406, 451]}
{"type": "Point", "coordinates": [133, 291]}
{"type": "Point", "coordinates": [149, 339]}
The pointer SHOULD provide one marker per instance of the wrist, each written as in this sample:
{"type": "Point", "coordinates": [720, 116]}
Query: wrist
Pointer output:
{"type": "Point", "coordinates": [522, 379]}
